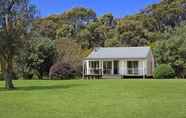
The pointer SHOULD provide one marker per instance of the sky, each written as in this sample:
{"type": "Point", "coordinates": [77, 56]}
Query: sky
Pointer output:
{"type": "Point", "coordinates": [119, 8]}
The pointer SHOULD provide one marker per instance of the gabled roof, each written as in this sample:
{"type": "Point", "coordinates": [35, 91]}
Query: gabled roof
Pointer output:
{"type": "Point", "coordinates": [119, 53]}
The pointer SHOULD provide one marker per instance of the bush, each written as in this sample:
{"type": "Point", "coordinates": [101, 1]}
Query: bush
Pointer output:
{"type": "Point", "coordinates": [1, 76]}
{"type": "Point", "coordinates": [164, 71]}
{"type": "Point", "coordinates": [27, 76]}
{"type": "Point", "coordinates": [61, 71]}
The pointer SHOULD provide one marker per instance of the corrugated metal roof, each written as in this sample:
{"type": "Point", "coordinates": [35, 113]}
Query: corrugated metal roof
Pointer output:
{"type": "Point", "coordinates": [119, 53]}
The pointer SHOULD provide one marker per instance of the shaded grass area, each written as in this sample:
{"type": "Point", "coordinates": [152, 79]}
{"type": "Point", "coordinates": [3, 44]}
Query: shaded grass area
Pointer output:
{"type": "Point", "coordinates": [94, 99]}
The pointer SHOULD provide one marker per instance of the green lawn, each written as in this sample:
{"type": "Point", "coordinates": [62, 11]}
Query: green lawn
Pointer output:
{"type": "Point", "coordinates": [95, 99]}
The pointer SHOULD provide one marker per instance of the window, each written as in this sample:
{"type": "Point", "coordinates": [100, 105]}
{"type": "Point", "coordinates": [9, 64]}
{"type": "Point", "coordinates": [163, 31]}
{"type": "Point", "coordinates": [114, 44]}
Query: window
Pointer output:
{"type": "Point", "coordinates": [132, 67]}
{"type": "Point", "coordinates": [94, 64]}
{"type": "Point", "coordinates": [94, 67]}
{"type": "Point", "coordinates": [107, 67]}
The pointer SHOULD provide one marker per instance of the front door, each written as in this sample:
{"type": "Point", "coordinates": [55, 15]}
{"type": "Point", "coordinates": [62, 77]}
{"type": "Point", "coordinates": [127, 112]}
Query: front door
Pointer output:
{"type": "Point", "coordinates": [116, 67]}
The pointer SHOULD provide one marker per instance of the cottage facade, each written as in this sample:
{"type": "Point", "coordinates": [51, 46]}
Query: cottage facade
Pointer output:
{"type": "Point", "coordinates": [120, 61]}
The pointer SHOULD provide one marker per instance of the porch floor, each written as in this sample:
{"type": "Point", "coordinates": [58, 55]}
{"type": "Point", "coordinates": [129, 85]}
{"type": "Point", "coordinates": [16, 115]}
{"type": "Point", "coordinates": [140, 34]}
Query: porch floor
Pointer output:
{"type": "Point", "coordinates": [117, 77]}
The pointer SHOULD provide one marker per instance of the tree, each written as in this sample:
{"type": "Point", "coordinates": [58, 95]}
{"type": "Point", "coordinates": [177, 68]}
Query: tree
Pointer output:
{"type": "Point", "coordinates": [66, 24]}
{"type": "Point", "coordinates": [168, 13]}
{"type": "Point", "coordinates": [15, 19]}
{"type": "Point", "coordinates": [37, 57]}
{"type": "Point", "coordinates": [46, 27]}
{"type": "Point", "coordinates": [66, 31]}
{"type": "Point", "coordinates": [132, 33]}
{"type": "Point", "coordinates": [108, 20]}
{"type": "Point", "coordinates": [172, 50]}
{"type": "Point", "coordinates": [70, 52]}
{"type": "Point", "coordinates": [91, 36]}
{"type": "Point", "coordinates": [79, 17]}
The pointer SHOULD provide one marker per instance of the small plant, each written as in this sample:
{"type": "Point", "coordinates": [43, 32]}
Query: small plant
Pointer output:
{"type": "Point", "coordinates": [164, 71]}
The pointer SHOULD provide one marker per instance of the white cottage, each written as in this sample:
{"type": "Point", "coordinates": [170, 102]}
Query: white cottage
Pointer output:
{"type": "Point", "coordinates": [122, 61]}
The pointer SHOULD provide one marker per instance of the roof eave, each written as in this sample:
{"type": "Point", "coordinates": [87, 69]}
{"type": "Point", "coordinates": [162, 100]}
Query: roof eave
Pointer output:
{"type": "Point", "coordinates": [114, 58]}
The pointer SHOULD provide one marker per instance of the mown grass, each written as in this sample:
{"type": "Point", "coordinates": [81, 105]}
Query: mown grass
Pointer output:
{"type": "Point", "coordinates": [94, 99]}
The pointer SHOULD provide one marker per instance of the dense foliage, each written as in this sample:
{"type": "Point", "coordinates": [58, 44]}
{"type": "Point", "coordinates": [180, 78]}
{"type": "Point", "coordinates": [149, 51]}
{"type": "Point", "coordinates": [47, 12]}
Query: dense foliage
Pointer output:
{"type": "Point", "coordinates": [164, 71]}
{"type": "Point", "coordinates": [156, 26]}
{"type": "Point", "coordinates": [172, 50]}
{"type": "Point", "coordinates": [37, 57]}
{"type": "Point", "coordinates": [34, 46]}
{"type": "Point", "coordinates": [145, 28]}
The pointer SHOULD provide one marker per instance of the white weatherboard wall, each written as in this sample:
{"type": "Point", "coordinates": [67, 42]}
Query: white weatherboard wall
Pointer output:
{"type": "Point", "coordinates": [123, 67]}
{"type": "Point", "coordinates": [150, 64]}
{"type": "Point", "coordinates": [142, 65]}
{"type": "Point", "coordinates": [146, 66]}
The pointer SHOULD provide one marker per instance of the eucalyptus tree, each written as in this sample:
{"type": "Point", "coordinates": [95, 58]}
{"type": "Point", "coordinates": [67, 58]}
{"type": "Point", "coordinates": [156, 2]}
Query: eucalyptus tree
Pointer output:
{"type": "Point", "coordinates": [15, 22]}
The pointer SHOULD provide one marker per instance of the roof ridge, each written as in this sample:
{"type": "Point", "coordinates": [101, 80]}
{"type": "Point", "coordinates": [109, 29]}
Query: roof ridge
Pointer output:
{"type": "Point", "coordinates": [125, 47]}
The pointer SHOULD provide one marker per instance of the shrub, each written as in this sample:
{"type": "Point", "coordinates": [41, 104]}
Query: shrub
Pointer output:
{"type": "Point", "coordinates": [27, 76]}
{"type": "Point", "coordinates": [1, 76]}
{"type": "Point", "coordinates": [164, 71]}
{"type": "Point", "coordinates": [62, 71]}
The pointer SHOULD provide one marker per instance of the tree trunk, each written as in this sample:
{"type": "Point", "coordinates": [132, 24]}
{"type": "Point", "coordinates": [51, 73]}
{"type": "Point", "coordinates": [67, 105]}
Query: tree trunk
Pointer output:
{"type": "Point", "coordinates": [9, 75]}
{"type": "Point", "coordinates": [8, 80]}
{"type": "Point", "coordinates": [2, 68]}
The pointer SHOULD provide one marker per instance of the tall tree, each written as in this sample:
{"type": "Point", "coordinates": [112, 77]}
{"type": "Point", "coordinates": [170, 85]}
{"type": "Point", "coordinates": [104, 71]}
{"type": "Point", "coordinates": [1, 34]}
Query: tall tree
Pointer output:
{"type": "Point", "coordinates": [37, 57]}
{"type": "Point", "coordinates": [15, 22]}
{"type": "Point", "coordinates": [69, 52]}
{"type": "Point", "coordinates": [92, 36]}
{"type": "Point", "coordinates": [172, 50]}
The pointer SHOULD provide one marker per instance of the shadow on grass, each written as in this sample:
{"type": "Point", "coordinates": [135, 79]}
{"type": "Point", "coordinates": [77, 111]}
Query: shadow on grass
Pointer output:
{"type": "Point", "coordinates": [49, 87]}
